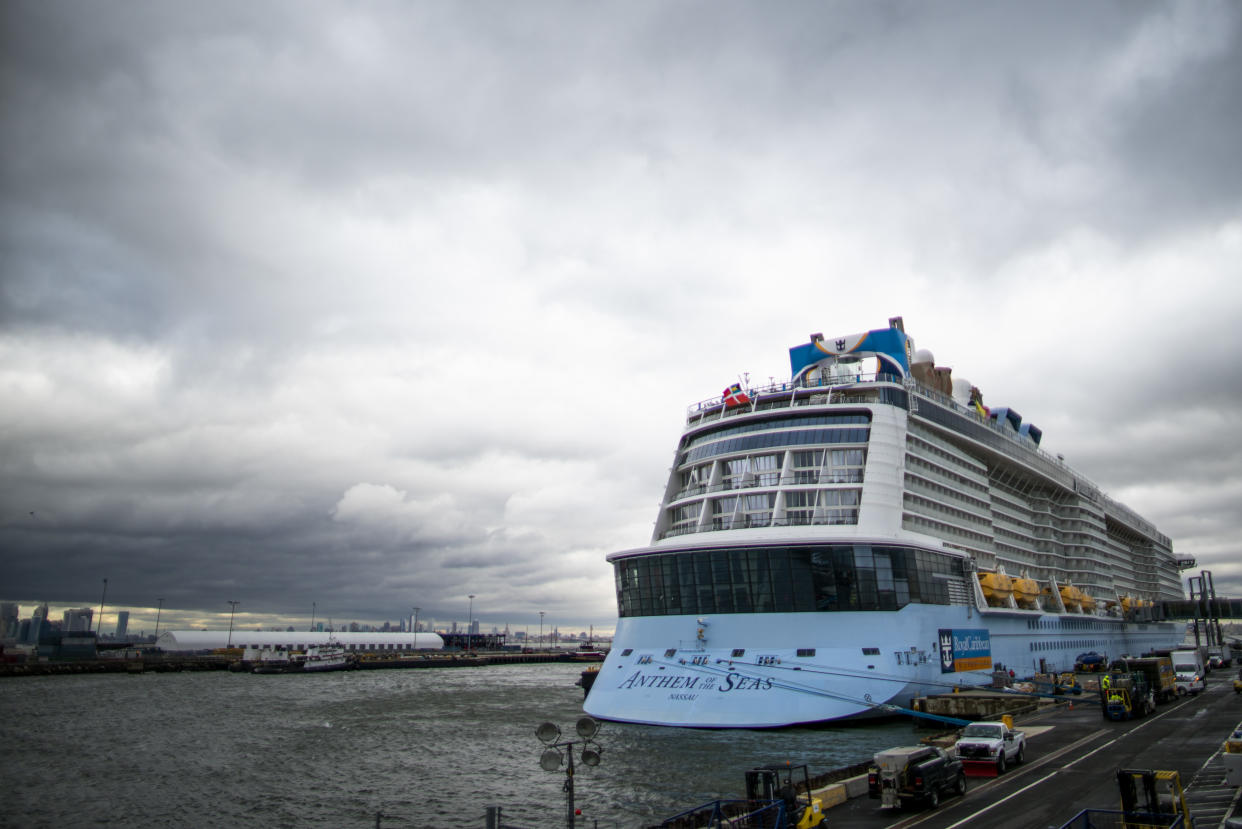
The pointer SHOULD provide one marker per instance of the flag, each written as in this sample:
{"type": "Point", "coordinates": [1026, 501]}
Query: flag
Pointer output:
{"type": "Point", "coordinates": [734, 396]}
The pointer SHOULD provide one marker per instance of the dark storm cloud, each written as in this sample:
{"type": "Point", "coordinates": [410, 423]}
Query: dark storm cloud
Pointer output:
{"type": "Point", "coordinates": [397, 302]}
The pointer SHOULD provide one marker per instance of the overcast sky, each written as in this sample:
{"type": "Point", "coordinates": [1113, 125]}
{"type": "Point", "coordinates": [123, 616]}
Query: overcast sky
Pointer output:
{"type": "Point", "coordinates": [373, 305]}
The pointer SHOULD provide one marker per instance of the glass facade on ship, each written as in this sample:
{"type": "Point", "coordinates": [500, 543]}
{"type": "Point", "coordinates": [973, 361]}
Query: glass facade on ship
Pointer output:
{"type": "Point", "coordinates": [784, 579]}
{"type": "Point", "coordinates": [794, 468]}
{"type": "Point", "coordinates": [800, 431]}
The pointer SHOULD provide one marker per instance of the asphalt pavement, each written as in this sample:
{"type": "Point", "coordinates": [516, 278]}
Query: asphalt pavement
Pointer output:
{"type": "Point", "coordinates": [1071, 765]}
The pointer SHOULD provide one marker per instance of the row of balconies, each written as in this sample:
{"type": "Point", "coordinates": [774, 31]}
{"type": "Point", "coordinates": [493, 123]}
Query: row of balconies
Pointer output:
{"type": "Point", "coordinates": [771, 479]}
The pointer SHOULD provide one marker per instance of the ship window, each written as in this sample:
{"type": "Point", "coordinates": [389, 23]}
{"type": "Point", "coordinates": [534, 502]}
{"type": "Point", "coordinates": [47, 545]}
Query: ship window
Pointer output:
{"type": "Point", "coordinates": [871, 651]}
{"type": "Point", "coordinates": [784, 579]}
{"type": "Point", "coordinates": [806, 651]}
{"type": "Point", "coordinates": [627, 651]}
{"type": "Point", "coordinates": [670, 653]}
{"type": "Point", "coordinates": [800, 437]}
{"type": "Point", "coordinates": [738, 653]}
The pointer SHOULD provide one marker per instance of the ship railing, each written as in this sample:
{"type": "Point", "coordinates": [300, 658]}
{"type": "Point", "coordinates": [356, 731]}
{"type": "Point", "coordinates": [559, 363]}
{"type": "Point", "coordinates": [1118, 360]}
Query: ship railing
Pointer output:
{"type": "Point", "coordinates": [852, 476]}
{"type": "Point", "coordinates": [740, 814]}
{"type": "Point", "coordinates": [791, 393]}
{"type": "Point", "coordinates": [845, 516]}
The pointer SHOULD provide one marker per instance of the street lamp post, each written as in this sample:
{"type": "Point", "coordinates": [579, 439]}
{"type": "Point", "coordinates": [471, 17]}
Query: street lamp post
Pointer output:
{"type": "Point", "coordinates": [232, 609]}
{"type": "Point", "coordinates": [541, 628]}
{"type": "Point", "coordinates": [158, 611]}
{"type": "Point", "coordinates": [550, 760]}
{"type": "Point", "coordinates": [99, 625]}
{"type": "Point", "coordinates": [470, 625]}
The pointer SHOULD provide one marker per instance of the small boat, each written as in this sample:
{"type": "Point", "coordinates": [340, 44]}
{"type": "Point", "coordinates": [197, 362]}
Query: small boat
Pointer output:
{"type": "Point", "coordinates": [316, 659]}
{"type": "Point", "coordinates": [326, 658]}
{"type": "Point", "coordinates": [1072, 598]}
{"type": "Point", "coordinates": [997, 587]}
{"type": "Point", "coordinates": [1026, 592]}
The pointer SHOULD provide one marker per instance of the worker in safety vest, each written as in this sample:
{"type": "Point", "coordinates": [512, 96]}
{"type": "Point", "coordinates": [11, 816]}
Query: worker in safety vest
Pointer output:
{"type": "Point", "coordinates": [1106, 682]}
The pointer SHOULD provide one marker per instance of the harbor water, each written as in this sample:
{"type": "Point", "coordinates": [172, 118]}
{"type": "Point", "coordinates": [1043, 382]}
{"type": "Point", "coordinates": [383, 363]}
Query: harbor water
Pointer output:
{"type": "Point", "coordinates": [397, 748]}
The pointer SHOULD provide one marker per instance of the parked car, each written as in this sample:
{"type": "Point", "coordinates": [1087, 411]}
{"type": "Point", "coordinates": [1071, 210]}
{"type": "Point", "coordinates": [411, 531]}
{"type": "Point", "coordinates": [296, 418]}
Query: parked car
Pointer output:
{"type": "Point", "coordinates": [1089, 661]}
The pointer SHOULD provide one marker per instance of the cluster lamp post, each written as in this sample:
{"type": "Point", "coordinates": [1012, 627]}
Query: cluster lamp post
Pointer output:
{"type": "Point", "coordinates": [551, 759]}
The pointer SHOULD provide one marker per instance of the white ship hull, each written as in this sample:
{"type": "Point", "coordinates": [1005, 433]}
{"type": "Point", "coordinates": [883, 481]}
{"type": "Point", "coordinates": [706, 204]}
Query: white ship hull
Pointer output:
{"type": "Point", "coordinates": [702, 684]}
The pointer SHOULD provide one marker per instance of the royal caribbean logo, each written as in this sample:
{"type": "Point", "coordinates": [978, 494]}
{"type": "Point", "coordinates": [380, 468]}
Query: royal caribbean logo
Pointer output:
{"type": "Point", "coordinates": [965, 650]}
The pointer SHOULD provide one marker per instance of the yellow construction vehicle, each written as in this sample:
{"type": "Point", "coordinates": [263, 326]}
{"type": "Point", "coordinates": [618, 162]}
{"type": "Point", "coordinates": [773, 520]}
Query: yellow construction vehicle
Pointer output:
{"type": "Point", "coordinates": [1149, 800]}
{"type": "Point", "coordinates": [1161, 793]}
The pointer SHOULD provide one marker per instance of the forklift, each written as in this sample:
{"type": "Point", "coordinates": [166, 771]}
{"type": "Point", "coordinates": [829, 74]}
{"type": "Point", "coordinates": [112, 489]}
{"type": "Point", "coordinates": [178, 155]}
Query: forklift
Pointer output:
{"type": "Point", "coordinates": [1161, 792]}
{"type": "Point", "coordinates": [767, 783]}
{"type": "Point", "coordinates": [1125, 696]}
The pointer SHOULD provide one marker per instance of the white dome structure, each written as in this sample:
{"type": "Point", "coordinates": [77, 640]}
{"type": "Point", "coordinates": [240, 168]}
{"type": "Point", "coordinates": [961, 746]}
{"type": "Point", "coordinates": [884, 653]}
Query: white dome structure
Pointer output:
{"type": "Point", "coordinates": [961, 391]}
{"type": "Point", "coordinates": [206, 640]}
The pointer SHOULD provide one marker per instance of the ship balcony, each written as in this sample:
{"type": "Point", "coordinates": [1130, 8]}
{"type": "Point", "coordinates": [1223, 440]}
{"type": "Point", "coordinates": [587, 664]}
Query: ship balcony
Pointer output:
{"type": "Point", "coordinates": [768, 481]}
{"type": "Point", "coordinates": [838, 517]}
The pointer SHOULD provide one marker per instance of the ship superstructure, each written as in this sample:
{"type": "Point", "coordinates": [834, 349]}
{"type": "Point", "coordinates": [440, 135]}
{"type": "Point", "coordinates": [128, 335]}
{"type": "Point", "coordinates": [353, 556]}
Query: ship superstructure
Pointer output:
{"type": "Point", "coordinates": [865, 533]}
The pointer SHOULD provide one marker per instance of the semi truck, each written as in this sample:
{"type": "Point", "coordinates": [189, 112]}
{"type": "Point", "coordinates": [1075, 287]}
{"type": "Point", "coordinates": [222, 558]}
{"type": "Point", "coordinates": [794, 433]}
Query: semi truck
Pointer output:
{"type": "Point", "coordinates": [1158, 670]}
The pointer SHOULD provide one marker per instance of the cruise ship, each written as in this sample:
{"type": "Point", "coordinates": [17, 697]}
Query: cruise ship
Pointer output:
{"type": "Point", "coordinates": [869, 532]}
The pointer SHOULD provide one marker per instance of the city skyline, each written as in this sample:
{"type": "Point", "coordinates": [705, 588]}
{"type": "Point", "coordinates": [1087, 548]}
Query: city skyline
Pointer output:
{"type": "Point", "coordinates": [141, 621]}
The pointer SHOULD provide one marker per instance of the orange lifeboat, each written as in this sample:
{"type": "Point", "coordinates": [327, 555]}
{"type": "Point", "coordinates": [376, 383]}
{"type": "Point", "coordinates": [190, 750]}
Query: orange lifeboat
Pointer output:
{"type": "Point", "coordinates": [997, 588]}
{"type": "Point", "coordinates": [1026, 593]}
{"type": "Point", "coordinates": [1072, 598]}
{"type": "Point", "coordinates": [1088, 603]}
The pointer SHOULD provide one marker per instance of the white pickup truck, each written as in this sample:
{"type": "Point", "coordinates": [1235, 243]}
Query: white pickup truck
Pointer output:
{"type": "Point", "coordinates": [991, 743]}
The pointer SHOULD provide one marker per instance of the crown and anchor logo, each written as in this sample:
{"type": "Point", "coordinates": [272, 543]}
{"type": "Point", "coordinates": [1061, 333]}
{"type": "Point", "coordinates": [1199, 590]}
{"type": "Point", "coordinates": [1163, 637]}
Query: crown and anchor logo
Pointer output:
{"type": "Point", "coordinates": [946, 649]}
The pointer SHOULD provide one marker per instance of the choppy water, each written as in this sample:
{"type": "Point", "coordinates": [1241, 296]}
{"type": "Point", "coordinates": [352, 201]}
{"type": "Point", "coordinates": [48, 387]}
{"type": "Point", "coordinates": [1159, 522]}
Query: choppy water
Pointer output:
{"type": "Point", "coordinates": [426, 748]}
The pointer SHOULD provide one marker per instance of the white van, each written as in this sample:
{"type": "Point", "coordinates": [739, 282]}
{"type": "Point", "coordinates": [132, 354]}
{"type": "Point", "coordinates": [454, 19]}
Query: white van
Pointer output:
{"type": "Point", "coordinates": [1189, 668]}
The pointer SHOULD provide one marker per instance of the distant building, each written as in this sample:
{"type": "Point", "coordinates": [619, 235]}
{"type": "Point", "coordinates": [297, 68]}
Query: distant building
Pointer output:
{"type": "Point", "coordinates": [122, 623]}
{"type": "Point", "coordinates": [38, 624]}
{"type": "Point", "coordinates": [77, 619]}
{"type": "Point", "coordinates": [9, 620]}
{"type": "Point", "coordinates": [58, 644]}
